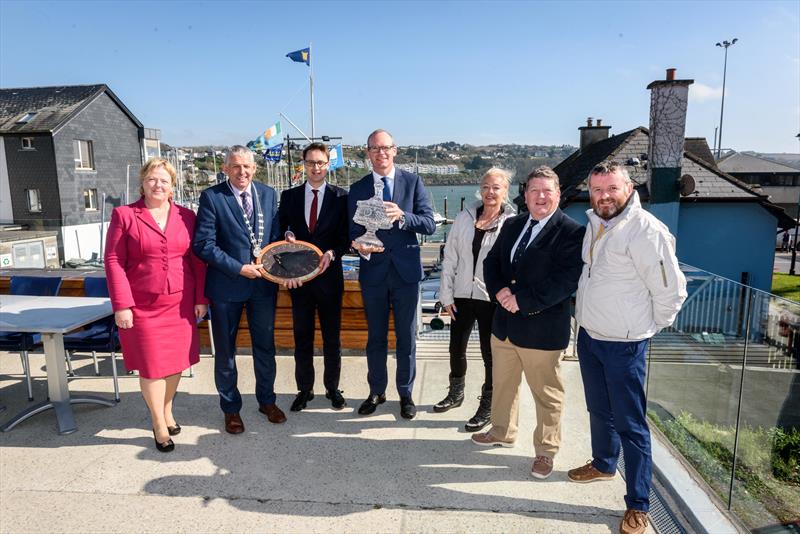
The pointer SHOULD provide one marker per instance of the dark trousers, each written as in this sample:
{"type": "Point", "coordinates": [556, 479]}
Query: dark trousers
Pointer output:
{"type": "Point", "coordinates": [467, 312]}
{"type": "Point", "coordinates": [402, 297]}
{"type": "Point", "coordinates": [225, 322]}
{"type": "Point", "coordinates": [613, 380]}
{"type": "Point", "coordinates": [307, 301]}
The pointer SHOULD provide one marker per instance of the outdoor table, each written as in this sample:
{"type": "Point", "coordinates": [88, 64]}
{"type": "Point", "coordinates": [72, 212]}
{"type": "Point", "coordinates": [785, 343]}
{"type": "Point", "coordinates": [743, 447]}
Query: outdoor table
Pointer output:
{"type": "Point", "coordinates": [53, 317]}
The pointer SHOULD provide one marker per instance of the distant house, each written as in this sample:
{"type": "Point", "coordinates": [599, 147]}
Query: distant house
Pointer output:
{"type": "Point", "coordinates": [62, 150]}
{"type": "Point", "coordinates": [723, 226]}
{"type": "Point", "coordinates": [780, 182]}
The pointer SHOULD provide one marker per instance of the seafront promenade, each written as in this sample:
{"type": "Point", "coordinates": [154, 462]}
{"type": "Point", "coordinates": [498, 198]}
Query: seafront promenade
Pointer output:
{"type": "Point", "coordinates": [321, 471]}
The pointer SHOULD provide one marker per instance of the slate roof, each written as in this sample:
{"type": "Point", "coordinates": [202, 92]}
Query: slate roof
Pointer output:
{"type": "Point", "coordinates": [711, 183]}
{"type": "Point", "coordinates": [748, 164]}
{"type": "Point", "coordinates": [699, 147]}
{"type": "Point", "coordinates": [54, 106]}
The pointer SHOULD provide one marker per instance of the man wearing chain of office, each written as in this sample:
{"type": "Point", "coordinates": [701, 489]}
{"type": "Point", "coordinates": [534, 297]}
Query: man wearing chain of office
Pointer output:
{"type": "Point", "coordinates": [234, 221]}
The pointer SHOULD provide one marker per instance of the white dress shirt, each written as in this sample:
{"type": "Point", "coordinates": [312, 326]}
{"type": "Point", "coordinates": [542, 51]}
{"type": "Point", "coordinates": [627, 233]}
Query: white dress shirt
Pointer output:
{"type": "Point", "coordinates": [309, 198]}
{"type": "Point", "coordinates": [389, 180]}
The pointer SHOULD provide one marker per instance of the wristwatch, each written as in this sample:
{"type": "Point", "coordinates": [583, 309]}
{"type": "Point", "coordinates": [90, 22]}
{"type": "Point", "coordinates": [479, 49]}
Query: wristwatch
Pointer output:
{"type": "Point", "coordinates": [402, 220]}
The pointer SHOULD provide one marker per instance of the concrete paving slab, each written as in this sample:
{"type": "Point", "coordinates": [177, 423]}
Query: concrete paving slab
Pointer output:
{"type": "Point", "coordinates": [321, 471]}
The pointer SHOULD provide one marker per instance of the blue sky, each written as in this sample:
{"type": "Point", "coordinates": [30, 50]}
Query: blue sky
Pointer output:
{"type": "Point", "coordinates": [471, 72]}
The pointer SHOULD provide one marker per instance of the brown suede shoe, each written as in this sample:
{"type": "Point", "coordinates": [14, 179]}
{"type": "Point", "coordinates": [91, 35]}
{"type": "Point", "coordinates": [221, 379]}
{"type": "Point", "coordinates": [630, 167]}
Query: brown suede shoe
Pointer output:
{"type": "Point", "coordinates": [634, 522]}
{"type": "Point", "coordinates": [273, 413]}
{"type": "Point", "coordinates": [588, 473]}
{"type": "Point", "coordinates": [233, 423]}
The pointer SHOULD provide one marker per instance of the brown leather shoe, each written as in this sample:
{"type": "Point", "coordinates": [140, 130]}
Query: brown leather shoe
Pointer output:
{"type": "Point", "coordinates": [273, 413]}
{"type": "Point", "coordinates": [233, 423]}
{"type": "Point", "coordinates": [634, 522]}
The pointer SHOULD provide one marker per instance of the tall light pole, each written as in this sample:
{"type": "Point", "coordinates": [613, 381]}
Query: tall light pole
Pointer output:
{"type": "Point", "coordinates": [796, 227]}
{"type": "Point", "coordinates": [725, 45]}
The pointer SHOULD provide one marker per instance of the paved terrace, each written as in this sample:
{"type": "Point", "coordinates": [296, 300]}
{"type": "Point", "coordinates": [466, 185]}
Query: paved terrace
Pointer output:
{"type": "Point", "coordinates": [322, 471]}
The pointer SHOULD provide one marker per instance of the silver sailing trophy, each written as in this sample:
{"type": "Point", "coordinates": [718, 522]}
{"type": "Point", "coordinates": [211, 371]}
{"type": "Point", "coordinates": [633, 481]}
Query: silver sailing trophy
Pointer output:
{"type": "Point", "coordinates": [371, 215]}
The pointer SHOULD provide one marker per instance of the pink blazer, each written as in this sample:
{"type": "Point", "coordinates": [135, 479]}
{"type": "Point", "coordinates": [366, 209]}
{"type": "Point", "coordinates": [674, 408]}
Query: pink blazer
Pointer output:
{"type": "Point", "coordinates": [142, 260]}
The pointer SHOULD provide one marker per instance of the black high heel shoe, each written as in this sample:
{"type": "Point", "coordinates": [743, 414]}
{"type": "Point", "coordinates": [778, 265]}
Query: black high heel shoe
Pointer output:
{"type": "Point", "coordinates": [174, 430]}
{"type": "Point", "coordinates": [167, 446]}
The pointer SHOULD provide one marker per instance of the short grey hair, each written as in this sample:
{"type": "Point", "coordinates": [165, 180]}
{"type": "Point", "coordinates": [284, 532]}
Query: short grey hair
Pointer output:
{"type": "Point", "coordinates": [543, 171]}
{"type": "Point", "coordinates": [376, 132]}
{"type": "Point", "coordinates": [610, 167]}
{"type": "Point", "coordinates": [505, 174]}
{"type": "Point", "coordinates": [239, 150]}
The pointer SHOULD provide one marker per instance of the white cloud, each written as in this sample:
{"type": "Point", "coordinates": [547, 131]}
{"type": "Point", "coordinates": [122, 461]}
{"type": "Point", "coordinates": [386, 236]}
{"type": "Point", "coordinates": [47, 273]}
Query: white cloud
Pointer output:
{"type": "Point", "coordinates": [699, 92]}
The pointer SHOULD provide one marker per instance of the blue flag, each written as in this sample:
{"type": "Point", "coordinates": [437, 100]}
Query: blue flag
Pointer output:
{"type": "Point", "coordinates": [336, 157]}
{"type": "Point", "coordinates": [300, 56]}
{"type": "Point", "coordinates": [273, 154]}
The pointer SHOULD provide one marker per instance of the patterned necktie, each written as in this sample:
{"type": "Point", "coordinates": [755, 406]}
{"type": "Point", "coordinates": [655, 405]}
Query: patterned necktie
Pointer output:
{"type": "Point", "coordinates": [312, 217]}
{"type": "Point", "coordinates": [248, 209]}
{"type": "Point", "coordinates": [523, 243]}
{"type": "Point", "coordinates": [387, 195]}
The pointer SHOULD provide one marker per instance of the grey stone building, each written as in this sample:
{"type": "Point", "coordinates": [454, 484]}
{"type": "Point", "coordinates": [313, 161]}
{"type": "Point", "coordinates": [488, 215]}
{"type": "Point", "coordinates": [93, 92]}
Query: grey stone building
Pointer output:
{"type": "Point", "coordinates": [62, 151]}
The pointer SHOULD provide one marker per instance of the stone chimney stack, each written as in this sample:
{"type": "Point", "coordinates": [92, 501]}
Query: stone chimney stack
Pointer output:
{"type": "Point", "coordinates": [668, 103]}
{"type": "Point", "coordinates": [591, 134]}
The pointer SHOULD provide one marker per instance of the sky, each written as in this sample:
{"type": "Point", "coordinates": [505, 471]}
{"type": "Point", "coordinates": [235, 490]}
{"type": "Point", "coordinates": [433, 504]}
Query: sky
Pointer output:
{"type": "Point", "coordinates": [216, 73]}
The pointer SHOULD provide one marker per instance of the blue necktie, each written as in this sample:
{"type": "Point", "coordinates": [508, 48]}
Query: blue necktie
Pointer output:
{"type": "Point", "coordinates": [387, 194]}
{"type": "Point", "coordinates": [523, 243]}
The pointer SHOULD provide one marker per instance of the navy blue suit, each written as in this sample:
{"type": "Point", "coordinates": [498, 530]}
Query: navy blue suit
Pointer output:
{"type": "Point", "coordinates": [392, 277]}
{"type": "Point", "coordinates": [543, 282]}
{"type": "Point", "coordinates": [323, 294]}
{"type": "Point", "coordinates": [222, 240]}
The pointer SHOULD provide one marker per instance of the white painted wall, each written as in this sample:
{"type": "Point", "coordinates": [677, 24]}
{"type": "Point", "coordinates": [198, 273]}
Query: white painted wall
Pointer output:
{"type": "Point", "coordinates": [81, 240]}
{"type": "Point", "coordinates": [6, 214]}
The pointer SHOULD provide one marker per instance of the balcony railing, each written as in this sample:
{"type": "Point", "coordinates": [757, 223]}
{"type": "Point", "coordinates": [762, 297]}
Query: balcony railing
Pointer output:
{"type": "Point", "coordinates": [724, 387]}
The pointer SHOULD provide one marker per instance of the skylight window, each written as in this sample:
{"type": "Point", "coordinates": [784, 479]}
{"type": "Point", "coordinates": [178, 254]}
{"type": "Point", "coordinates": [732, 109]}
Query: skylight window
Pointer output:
{"type": "Point", "coordinates": [27, 117]}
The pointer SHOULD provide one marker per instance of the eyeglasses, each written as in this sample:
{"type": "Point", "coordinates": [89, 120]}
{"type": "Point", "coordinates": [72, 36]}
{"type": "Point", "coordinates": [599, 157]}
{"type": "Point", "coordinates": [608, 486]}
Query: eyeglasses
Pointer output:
{"type": "Point", "coordinates": [376, 149]}
{"type": "Point", "coordinates": [308, 163]}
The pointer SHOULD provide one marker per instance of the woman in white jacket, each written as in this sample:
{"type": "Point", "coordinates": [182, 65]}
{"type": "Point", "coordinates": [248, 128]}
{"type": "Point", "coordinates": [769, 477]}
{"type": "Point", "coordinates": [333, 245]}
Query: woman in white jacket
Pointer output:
{"type": "Point", "coordinates": [463, 293]}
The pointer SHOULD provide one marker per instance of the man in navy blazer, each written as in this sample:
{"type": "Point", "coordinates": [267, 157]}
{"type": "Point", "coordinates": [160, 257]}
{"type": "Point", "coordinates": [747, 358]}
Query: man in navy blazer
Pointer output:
{"type": "Point", "coordinates": [316, 212]}
{"type": "Point", "coordinates": [390, 276]}
{"type": "Point", "coordinates": [532, 271]}
{"type": "Point", "coordinates": [234, 221]}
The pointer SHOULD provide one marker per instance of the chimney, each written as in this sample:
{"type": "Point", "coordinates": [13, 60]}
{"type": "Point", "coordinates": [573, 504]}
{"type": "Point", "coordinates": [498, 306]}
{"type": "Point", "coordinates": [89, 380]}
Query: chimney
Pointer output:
{"type": "Point", "coordinates": [668, 103]}
{"type": "Point", "coordinates": [592, 134]}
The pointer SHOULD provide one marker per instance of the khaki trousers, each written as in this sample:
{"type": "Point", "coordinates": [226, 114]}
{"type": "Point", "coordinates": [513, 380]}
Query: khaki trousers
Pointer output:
{"type": "Point", "coordinates": [543, 373]}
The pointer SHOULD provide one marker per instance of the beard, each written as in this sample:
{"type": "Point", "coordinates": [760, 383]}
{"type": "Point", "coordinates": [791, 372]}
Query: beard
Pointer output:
{"type": "Point", "coordinates": [610, 210]}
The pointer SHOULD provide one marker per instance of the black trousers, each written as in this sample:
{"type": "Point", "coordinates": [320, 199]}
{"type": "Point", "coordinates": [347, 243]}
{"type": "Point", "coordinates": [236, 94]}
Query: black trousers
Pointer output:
{"type": "Point", "coordinates": [467, 312]}
{"type": "Point", "coordinates": [307, 300]}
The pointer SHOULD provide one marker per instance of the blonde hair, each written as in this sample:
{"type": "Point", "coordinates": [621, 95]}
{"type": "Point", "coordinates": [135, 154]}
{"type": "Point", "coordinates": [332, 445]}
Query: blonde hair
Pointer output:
{"type": "Point", "coordinates": [506, 175]}
{"type": "Point", "coordinates": [153, 164]}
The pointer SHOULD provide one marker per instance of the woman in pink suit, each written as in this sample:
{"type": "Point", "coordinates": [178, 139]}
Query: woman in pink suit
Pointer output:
{"type": "Point", "coordinates": [156, 286]}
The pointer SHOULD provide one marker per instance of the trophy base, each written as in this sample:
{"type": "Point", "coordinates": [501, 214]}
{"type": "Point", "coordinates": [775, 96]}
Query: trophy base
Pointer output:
{"type": "Point", "coordinates": [370, 240]}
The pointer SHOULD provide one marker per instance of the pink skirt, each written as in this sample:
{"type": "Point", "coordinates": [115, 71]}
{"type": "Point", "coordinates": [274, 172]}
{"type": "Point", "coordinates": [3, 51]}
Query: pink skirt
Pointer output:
{"type": "Point", "coordinates": [164, 339]}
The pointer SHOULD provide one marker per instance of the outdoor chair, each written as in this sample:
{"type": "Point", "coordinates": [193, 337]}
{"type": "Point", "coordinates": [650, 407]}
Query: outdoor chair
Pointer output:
{"type": "Point", "coordinates": [99, 336]}
{"type": "Point", "coordinates": [24, 342]}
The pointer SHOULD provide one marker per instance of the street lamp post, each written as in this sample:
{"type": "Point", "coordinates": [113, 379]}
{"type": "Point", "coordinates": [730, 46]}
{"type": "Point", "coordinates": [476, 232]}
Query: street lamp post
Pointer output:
{"type": "Point", "coordinates": [796, 226]}
{"type": "Point", "coordinates": [725, 45]}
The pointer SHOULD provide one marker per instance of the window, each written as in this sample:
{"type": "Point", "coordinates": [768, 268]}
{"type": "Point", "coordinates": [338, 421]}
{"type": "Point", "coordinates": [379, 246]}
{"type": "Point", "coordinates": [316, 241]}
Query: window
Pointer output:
{"type": "Point", "coordinates": [29, 255]}
{"type": "Point", "coordinates": [27, 143]}
{"type": "Point", "coordinates": [26, 118]}
{"type": "Point", "coordinates": [84, 156]}
{"type": "Point", "coordinates": [90, 199]}
{"type": "Point", "coordinates": [34, 200]}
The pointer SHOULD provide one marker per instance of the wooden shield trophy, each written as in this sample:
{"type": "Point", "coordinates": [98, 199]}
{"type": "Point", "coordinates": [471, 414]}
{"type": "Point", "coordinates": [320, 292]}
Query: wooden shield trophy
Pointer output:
{"type": "Point", "coordinates": [282, 261]}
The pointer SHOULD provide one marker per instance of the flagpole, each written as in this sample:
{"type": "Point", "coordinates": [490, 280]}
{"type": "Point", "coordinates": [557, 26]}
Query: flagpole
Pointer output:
{"type": "Point", "coordinates": [311, 86]}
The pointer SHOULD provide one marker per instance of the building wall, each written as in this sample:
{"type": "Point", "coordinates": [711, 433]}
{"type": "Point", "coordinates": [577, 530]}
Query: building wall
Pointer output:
{"type": "Point", "coordinates": [115, 144]}
{"type": "Point", "coordinates": [728, 239]}
{"type": "Point", "coordinates": [32, 169]}
{"type": "Point", "coordinates": [723, 238]}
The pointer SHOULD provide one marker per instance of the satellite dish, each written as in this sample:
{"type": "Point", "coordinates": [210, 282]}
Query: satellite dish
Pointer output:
{"type": "Point", "coordinates": [686, 185]}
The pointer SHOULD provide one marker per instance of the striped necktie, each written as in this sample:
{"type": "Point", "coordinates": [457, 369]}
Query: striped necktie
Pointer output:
{"type": "Point", "coordinates": [523, 243]}
{"type": "Point", "coordinates": [246, 206]}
